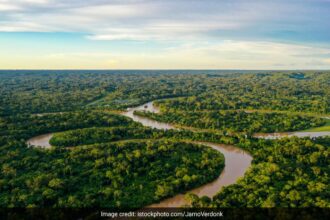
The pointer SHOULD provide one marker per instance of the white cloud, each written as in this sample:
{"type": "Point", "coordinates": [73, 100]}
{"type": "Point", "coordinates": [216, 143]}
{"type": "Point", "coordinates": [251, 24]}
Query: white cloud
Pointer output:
{"type": "Point", "coordinates": [160, 20]}
{"type": "Point", "coordinates": [202, 28]}
{"type": "Point", "coordinates": [21, 4]}
{"type": "Point", "coordinates": [8, 7]}
{"type": "Point", "coordinates": [162, 31]}
{"type": "Point", "coordinates": [22, 27]}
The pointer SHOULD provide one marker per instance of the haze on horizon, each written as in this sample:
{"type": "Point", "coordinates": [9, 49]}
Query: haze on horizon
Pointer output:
{"type": "Point", "coordinates": [172, 34]}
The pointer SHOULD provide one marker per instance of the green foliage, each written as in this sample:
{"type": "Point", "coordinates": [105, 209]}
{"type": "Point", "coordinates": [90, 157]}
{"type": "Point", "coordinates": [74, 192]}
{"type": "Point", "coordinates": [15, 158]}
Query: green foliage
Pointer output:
{"type": "Point", "coordinates": [285, 173]}
{"type": "Point", "coordinates": [126, 173]}
{"type": "Point", "coordinates": [55, 91]}
{"type": "Point", "coordinates": [25, 126]}
{"type": "Point", "coordinates": [272, 91]}
{"type": "Point", "coordinates": [238, 121]}
{"type": "Point", "coordinates": [101, 159]}
{"type": "Point", "coordinates": [123, 174]}
{"type": "Point", "coordinates": [94, 135]}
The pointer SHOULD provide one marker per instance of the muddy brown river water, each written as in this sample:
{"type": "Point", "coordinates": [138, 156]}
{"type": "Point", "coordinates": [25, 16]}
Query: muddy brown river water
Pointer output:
{"type": "Point", "coordinates": [292, 134]}
{"type": "Point", "coordinates": [40, 141]}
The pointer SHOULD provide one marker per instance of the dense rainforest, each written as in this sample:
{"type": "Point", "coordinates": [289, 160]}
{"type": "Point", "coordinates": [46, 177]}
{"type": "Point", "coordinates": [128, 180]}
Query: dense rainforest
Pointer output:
{"type": "Point", "coordinates": [122, 174]}
{"type": "Point", "coordinates": [290, 172]}
{"type": "Point", "coordinates": [56, 91]}
{"type": "Point", "coordinates": [102, 159]}
{"type": "Point", "coordinates": [236, 121]}
{"type": "Point", "coordinates": [112, 162]}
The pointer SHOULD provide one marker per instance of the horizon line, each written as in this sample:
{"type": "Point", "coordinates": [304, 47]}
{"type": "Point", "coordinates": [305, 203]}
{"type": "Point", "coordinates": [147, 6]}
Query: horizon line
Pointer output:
{"type": "Point", "coordinates": [179, 69]}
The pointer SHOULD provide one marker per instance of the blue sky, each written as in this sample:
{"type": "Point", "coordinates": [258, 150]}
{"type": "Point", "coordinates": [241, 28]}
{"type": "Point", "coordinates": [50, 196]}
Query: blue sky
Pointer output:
{"type": "Point", "coordinates": [159, 34]}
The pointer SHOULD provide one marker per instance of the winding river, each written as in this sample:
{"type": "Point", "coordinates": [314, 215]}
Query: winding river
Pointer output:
{"type": "Point", "coordinates": [237, 161]}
